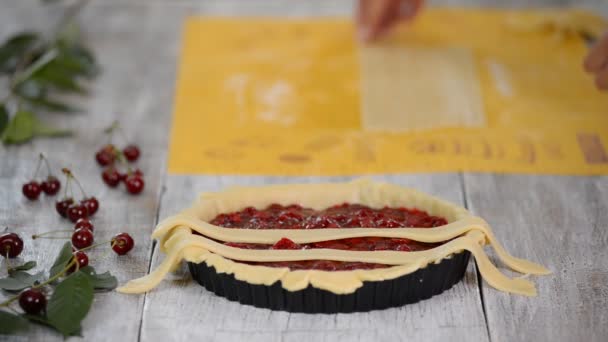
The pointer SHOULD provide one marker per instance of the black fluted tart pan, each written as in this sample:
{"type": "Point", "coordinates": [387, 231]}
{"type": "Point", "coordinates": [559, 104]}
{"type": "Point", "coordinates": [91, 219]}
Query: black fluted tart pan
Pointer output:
{"type": "Point", "coordinates": [373, 295]}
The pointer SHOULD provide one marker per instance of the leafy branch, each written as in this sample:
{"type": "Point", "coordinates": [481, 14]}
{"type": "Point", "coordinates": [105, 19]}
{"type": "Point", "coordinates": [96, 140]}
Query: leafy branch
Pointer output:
{"type": "Point", "coordinates": [71, 297]}
{"type": "Point", "coordinates": [38, 69]}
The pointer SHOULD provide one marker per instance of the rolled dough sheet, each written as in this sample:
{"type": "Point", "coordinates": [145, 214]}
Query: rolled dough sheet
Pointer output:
{"type": "Point", "coordinates": [413, 88]}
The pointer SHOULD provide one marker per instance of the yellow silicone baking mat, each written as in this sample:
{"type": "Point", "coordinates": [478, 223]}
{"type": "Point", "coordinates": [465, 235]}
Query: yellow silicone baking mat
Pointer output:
{"type": "Point", "coordinates": [269, 96]}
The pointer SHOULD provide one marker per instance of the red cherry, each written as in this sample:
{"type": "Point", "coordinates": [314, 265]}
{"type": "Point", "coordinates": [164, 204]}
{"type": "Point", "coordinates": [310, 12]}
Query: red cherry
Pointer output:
{"type": "Point", "coordinates": [122, 243]}
{"type": "Point", "coordinates": [82, 238]}
{"type": "Point", "coordinates": [77, 211]}
{"type": "Point", "coordinates": [82, 260]}
{"type": "Point", "coordinates": [63, 205]}
{"type": "Point", "coordinates": [32, 301]}
{"type": "Point", "coordinates": [285, 243]}
{"type": "Point", "coordinates": [138, 172]}
{"type": "Point", "coordinates": [134, 184]}
{"type": "Point", "coordinates": [106, 155]}
{"type": "Point", "coordinates": [51, 185]}
{"type": "Point", "coordinates": [11, 245]}
{"type": "Point", "coordinates": [92, 205]}
{"type": "Point", "coordinates": [31, 190]}
{"type": "Point", "coordinates": [131, 152]}
{"type": "Point", "coordinates": [111, 177]}
{"type": "Point", "coordinates": [84, 223]}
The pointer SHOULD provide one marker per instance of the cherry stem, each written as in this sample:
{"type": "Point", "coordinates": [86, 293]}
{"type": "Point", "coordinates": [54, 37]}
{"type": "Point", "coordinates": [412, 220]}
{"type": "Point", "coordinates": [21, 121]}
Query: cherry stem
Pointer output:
{"type": "Point", "coordinates": [113, 242]}
{"type": "Point", "coordinates": [67, 186]}
{"type": "Point", "coordinates": [37, 236]}
{"type": "Point", "coordinates": [48, 281]}
{"type": "Point", "coordinates": [72, 262]}
{"type": "Point", "coordinates": [37, 168]}
{"type": "Point", "coordinates": [71, 176]}
{"type": "Point", "coordinates": [8, 263]}
{"type": "Point", "coordinates": [46, 162]}
{"type": "Point", "coordinates": [106, 252]}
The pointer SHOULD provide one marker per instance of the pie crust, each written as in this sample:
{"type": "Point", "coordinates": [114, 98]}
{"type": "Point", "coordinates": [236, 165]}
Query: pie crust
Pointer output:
{"type": "Point", "coordinates": [464, 232]}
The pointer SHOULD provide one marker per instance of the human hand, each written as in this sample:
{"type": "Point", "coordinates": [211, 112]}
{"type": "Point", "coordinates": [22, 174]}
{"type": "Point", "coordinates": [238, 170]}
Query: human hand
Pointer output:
{"type": "Point", "coordinates": [377, 17]}
{"type": "Point", "coordinates": [596, 62]}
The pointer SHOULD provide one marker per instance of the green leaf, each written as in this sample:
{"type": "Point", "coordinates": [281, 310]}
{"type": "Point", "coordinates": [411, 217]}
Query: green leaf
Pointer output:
{"type": "Point", "coordinates": [37, 66]}
{"type": "Point", "coordinates": [70, 303]}
{"type": "Point", "coordinates": [14, 48]}
{"type": "Point", "coordinates": [20, 280]}
{"type": "Point", "coordinates": [3, 118]}
{"type": "Point", "coordinates": [41, 129]}
{"type": "Point", "coordinates": [50, 105]}
{"type": "Point", "coordinates": [24, 126]}
{"type": "Point", "coordinates": [24, 267]}
{"type": "Point", "coordinates": [20, 129]}
{"type": "Point", "coordinates": [53, 76]}
{"type": "Point", "coordinates": [104, 281]}
{"type": "Point", "coordinates": [30, 89]}
{"type": "Point", "coordinates": [64, 256]}
{"type": "Point", "coordinates": [11, 323]}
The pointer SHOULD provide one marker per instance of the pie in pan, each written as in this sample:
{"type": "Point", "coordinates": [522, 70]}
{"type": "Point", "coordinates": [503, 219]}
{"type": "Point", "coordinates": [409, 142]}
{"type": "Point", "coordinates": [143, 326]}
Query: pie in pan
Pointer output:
{"type": "Point", "coordinates": [337, 247]}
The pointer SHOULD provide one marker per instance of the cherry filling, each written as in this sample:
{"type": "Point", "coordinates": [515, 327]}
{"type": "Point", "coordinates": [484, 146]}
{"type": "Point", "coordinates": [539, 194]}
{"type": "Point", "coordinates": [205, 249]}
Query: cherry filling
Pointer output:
{"type": "Point", "coordinates": [344, 215]}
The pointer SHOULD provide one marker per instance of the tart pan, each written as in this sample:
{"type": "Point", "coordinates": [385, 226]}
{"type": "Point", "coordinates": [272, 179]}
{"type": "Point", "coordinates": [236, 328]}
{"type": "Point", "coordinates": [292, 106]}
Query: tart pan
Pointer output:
{"type": "Point", "coordinates": [373, 295]}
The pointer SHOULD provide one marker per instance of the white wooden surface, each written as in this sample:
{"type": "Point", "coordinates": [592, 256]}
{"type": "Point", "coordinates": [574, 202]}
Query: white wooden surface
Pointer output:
{"type": "Point", "coordinates": [559, 221]}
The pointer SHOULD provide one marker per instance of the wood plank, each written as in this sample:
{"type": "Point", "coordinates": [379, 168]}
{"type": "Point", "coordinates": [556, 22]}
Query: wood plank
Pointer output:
{"type": "Point", "coordinates": [132, 88]}
{"type": "Point", "coordinates": [200, 315]}
{"type": "Point", "coordinates": [559, 222]}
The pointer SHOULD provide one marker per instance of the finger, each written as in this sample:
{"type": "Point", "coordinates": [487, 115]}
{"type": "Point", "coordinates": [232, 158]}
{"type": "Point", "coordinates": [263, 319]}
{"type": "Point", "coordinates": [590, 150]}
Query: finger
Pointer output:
{"type": "Point", "coordinates": [361, 15]}
{"type": "Point", "coordinates": [410, 9]}
{"type": "Point", "coordinates": [601, 79]}
{"type": "Point", "coordinates": [383, 16]}
{"type": "Point", "coordinates": [598, 57]}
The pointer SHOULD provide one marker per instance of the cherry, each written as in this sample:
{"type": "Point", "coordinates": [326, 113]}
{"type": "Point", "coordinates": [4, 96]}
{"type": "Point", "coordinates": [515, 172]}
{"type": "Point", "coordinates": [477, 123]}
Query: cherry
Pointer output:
{"type": "Point", "coordinates": [131, 152]}
{"type": "Point", "coordinates": [134, 184]}
{"type": "Point", "coordinates": [77, 211]}
{"type": "Point", "coordinates": [92, 205]}
{"type": "Point", "coordinates": [122, 243]}
{"type": "Point", "coordinates": [136, 172]}
{"type": "Point", "coordinates": [111, 177]}
{"type": "Point", "coordinates": [84, 223]}
{"type": "Point", "coordinates": [106, 155]}
{"type": "Point", "coordinates": [82, 238]}
{"type": "Point", "coordinates": [11, 245]}
{"type": "Point", "coordinates": [32, 301]}
{"type": "Point", "coordinates": [63, 205]}
{"type": "Point", "coordinates": [31, 190]}
{"type": "Point", "coordinates": [82, 260]}
{"type": "Point", "coordinates": [285, 243]}
{"type": "Point", "coordinates": [51, 185]}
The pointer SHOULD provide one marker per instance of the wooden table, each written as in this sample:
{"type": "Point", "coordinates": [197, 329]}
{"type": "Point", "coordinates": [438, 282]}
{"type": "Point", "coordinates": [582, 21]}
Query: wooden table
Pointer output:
{"type": "Point", "coordinates": [559, 221]}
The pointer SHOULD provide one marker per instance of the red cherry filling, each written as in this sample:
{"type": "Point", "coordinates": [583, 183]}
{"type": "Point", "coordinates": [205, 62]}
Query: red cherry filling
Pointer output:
{"type": "Point", "coordinates": [345, 215]}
